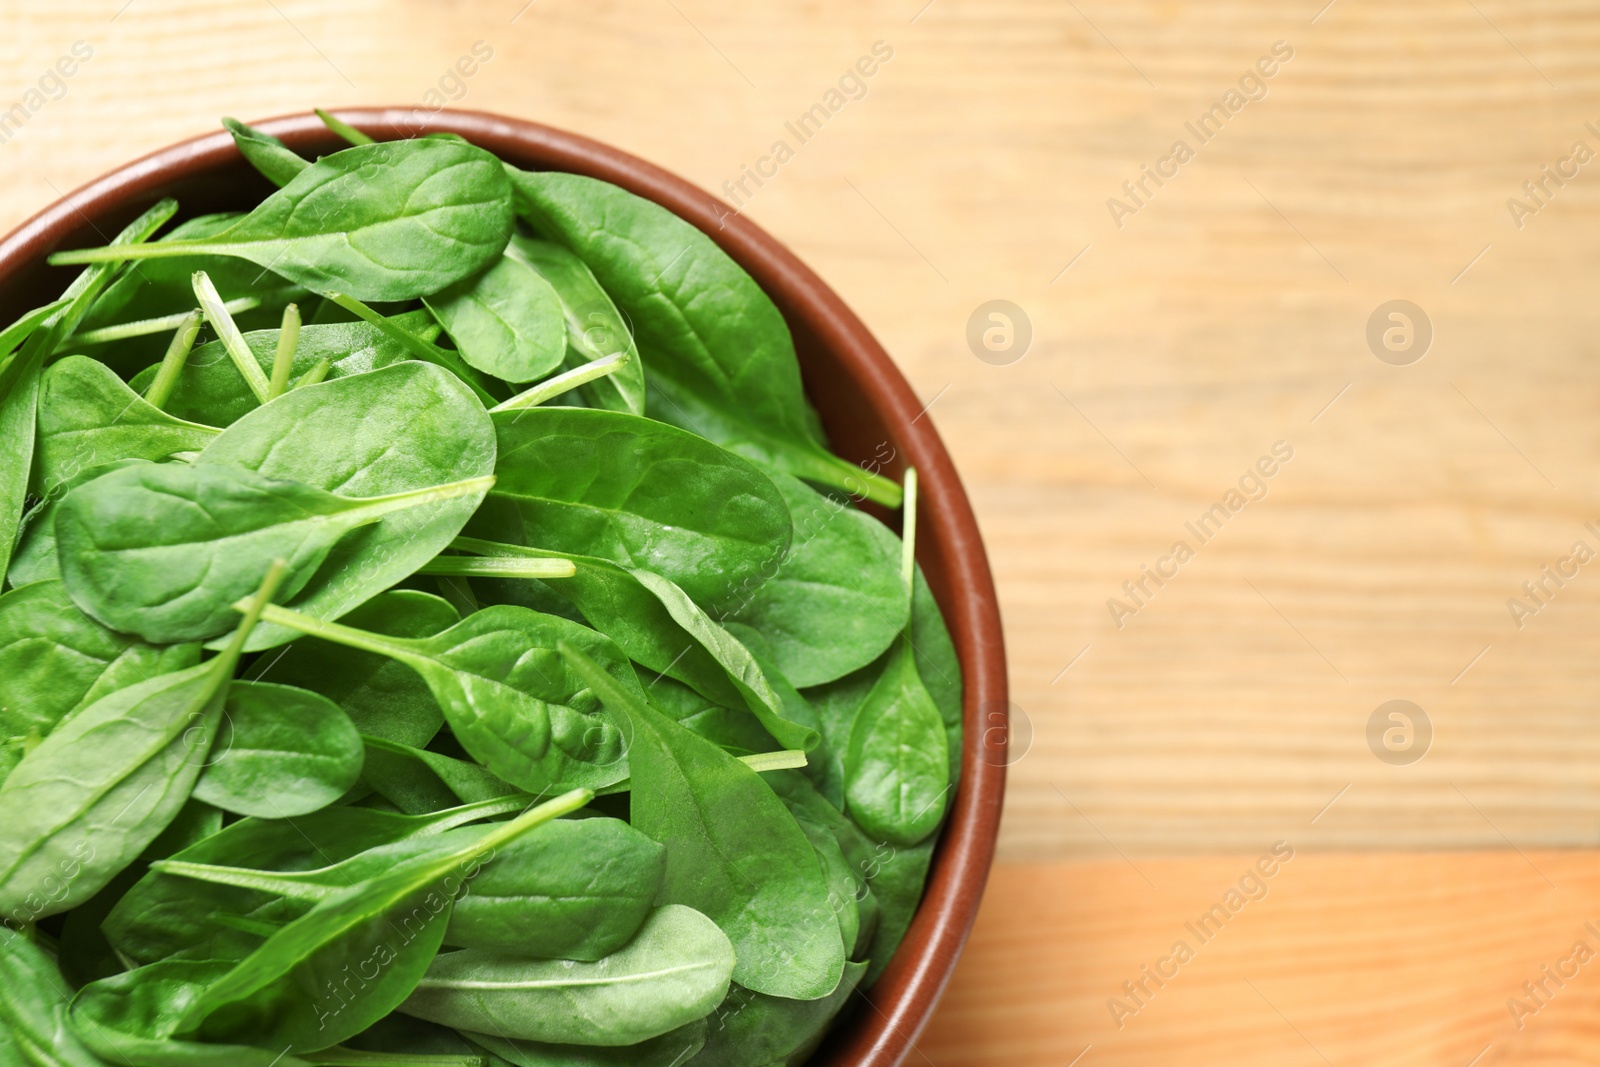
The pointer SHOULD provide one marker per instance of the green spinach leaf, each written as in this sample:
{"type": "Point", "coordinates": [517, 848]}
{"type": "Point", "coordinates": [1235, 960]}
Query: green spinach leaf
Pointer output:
{"type": "Point", "coordinates": [391, 221]}
{"type": "Point", "coordinates": [506, 321]}
{"type": "Point", "coordinates": [753, 873]}
{"type": "Point", "coordinates": [274, 159]}
{"type": "Point", "coordinates": [280, 752]}
{"type": "Point", "coordinates": [674, 971]}
{"type": "Point", "coordinates": [753, 1028]}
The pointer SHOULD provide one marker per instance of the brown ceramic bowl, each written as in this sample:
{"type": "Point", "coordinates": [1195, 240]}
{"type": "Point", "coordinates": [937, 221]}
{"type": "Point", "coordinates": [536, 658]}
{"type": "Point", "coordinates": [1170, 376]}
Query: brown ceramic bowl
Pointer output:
{"type": "Point", "coordinates": [864, 403]}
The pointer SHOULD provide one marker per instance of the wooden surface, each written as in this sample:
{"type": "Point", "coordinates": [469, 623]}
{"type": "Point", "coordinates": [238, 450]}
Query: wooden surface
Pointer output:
{"type": "Point", "coordinates": [1226, 314]}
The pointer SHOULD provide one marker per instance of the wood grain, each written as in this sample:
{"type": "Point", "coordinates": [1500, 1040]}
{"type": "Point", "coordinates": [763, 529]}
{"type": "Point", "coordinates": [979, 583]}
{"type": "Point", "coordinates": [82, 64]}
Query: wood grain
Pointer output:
{"type": "Point", "coordinates": [1168, 353]}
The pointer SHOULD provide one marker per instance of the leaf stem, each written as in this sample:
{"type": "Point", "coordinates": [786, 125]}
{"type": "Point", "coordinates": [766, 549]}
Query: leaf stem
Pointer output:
{"type": "Point", "coordinates": [144, 327]}
{"type": "Point", "coordinates": [349, 636]}
{"type": "Point", "coordinates": [173, 362]}
{"type": "Point", "coordinates": [283, 359]}
{"type": "Point", "coordinates": [565, 381]}
{"type": "Point", "coordinates": [908, 532]}
{"type": "Point", "coordinates": [499, 567]}
{"type": "Point", "coordinates": [788, 759]}
{"type": "Point", "coordinates": [372, 508]}
{"type": "Point", "coordinates": [232, 339]}
{"type": "Point", "coordinates": [495, 548]}
{"type": "Point", "coordinates": [343, 129]}
{"type": "Point", "coordinates": [423, 349]}
{"type": "Point", "coordinates": [316, 374]}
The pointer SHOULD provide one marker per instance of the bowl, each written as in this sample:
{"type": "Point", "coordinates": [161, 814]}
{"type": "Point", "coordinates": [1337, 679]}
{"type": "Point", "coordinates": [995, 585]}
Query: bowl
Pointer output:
{"type": "Point", "coordinates": [868, 409]}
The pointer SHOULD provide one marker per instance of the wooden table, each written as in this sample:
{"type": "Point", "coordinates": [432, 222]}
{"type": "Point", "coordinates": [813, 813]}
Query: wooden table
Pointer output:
{"type": "Point", "coordinates": [1176, 339]}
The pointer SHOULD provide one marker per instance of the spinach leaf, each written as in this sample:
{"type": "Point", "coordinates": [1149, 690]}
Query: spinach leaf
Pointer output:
{"type": "Point", "coordinates": [754, 874]}
{"type": "Point", "coordinates": [86, 801]}
{"type": "Point", "coordinates": [576, 889]}
{"type": "Point", "coordinates": [937, 666]}
{"type": "Point", "coordinates": [896, 770]}
{"type": "Point", "coordinates": [505, 321]}
{"type": "Point", "coordinates": [19, 379]}
{"type": "Point", "coordinates": [734, 730]}
{"type": "Point", "coordinates": [212, 392]}
{"type": "Point", "coordinates": [836, 602]}
{"type": "Point", "coordinates": [287, 992]}
{"type": "Point", "coordinates": [54, 660]}
{"type": "Point", "coordinates": [722, 362]}
{"type": "Point", "coordinates": [658, 626]}
{"type": "Point", "coordinates": [595, 328]}
{"type": "Point", "coordinates": [33, 1003]}
{"type": "Point", "coordinates": [163, 915]}
{"type": "Point", "coordinates": [164, 550]}
{"type": "Point", "coordinates": [636, 492]}
{"type": "Point", "coordinates": [671, 1049]}
{"type": "Point", "coordinates": [508, 696]}
{"type": "Point", "coordinates": [390, 221]}
{"type": "Point", "coordinates": [896, 876]}
{"type": "Point", "coordinates": [35, 558]}
{"type": "Point", "coordinates": [89, 417]}
{"type": "Point", "coordinates": [674, 971]}
{"type": "Point", "coordinates": [753, 1028]}
{"type": "Point", "coordinates": [433, 431]}
{"type": "Point", "coordinates": [418, 781]}
{"type": "Point", "coordinates": [385, 699]}
{"type": "Point", "coordinates": [796, 708]}
{"type": "Point", "coordinates": [280, 752]}
{"type": "Point", "coordinates": [274, 159]}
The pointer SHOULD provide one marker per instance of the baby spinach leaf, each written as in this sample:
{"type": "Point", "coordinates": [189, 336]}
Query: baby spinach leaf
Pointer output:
{"type": "Point", "coordinates": [750, 1028]}
{"type": "Point", "coordinates": [86, 801]}
{"type": "Point", "coordinates": [636, 492]}
{"type": "Point", "coordinates": [418, 781]}
{"type": "Point", "coordinates": [163, 915]}
{"type": "Point", "coordinates": [896, 770]}
{"type": "Point", "coordinates": [734, 730]}
{"type": "Point", "coordinates": [755, 875]}
{"type": "Point", "coordinates": [391, 221]}
{"type": "Point", "coordinates": [280, 752]}
{"type": "Point", "coordinates": [508, 696]}
{"type": "Point", "coordinates": [722, 362]}
{"type": "Point", "coordinates": [896, 876]}
{"type": "Point", "coordinates": [658, 626]}
{"type": "Point", "coordinates": [284, 993]}
{"type": "Point", "coordinates": [20, 376]}
{"type": "Point", "coordinates": [433, 431]}
{"type": "Point", "coordinates": [55, 660]}
{"type": "Point", "coordinates": [836, 602]}
{"type": "Point", "coordinates": [33, 1003]}
{"type": "Point", "coordinates": [210, 391]}
{"type": "Point", "coordinates": [274, 159]}
{"type": "Point", "coordinates": [595, 328]}
{"type": "Point", "coordinates": [89, 417]}
{"type": "Point", "coordinates": [164, 550]}
{"type": "Point", "coordinates": [385, 699]}
{"type": "Point", "coordinates": [576, 889]}
{"type": "Point", "coordinates": [937, 666]}
{"type": "Point", "coordinates": [672, 1049]}
{"type": "Point", "coordinates": [506, 321]}
{"type": "Point", "coordinates": [674, 971]}
{"type": "Point", "coordinates": [35, 559]}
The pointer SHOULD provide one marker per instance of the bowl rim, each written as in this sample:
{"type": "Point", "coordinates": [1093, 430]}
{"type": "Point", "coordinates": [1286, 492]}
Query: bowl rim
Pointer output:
{"type": "Point", "coordinates": [906, 993]}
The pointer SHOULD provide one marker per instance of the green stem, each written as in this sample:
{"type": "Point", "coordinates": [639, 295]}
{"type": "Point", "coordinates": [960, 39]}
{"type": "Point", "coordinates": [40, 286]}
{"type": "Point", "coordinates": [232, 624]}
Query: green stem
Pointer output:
{"type": "Point", "coordinates": [173, 362]}
{"type": "Point", "coordinates": [372, 508]}
{"type": "Point", "coordinates": [499, 567]}
{"type": "Point", "coordinates": [393, 647]}
{"type": "Point", "coordinates": [160, 324]}
{"type": "Point", "coordinates": [495, 548]}
{"type": "Point", "coordinates": [232, 339]}
{"type": "Point", "coordinates": [789, 759]}
{"type": "Point", "coordinates": [343, 129]}
{"type": "Point", "coordinates": [283, 359]}
{"type": "Point", "coordinates": [154, 250]}
{"type": "Point", "coordinates": [908, 533]}
{"type": "Point", "coordinates": [424, 350]}
{"type": "Point", "coordinates": [294, 886]}
{"type": "Point", "coordinates": [564, 382]}
{"type": "Point", "coordinates": [450, 818]}
{"type": "Point", "coordinates": [316, 374]}
{"type": "Point", "coordinates": [842, 474]}
{"type": "Point", "coordinates": [349, 1057]}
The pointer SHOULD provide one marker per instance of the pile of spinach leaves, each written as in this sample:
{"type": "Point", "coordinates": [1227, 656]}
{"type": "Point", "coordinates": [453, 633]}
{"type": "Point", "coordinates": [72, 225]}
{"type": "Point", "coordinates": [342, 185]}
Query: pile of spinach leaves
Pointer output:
{"type": "Point", "coordinates": [434, 633]}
